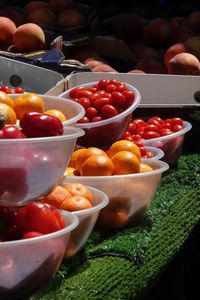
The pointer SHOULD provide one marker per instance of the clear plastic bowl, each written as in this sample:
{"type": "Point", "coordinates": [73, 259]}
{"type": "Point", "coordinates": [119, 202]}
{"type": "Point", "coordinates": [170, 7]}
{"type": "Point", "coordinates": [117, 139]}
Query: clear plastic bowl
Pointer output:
{"type": "Point", "coordinates": [31, 167]}
{"type": "Point", "coordinates": [157, 153]}
{"type": "Point", "coordinates": [129, 195]}
{"type": "Point", "coordinates": [72, 110]}
{"type": "Point", "coordinates": [87, 221]}
{"type": "Point", "coordinates": [107, 131]}
{"type": "Point", "coordinates": [27, 263]}
{"type": "Point", "coordinates": [171, 144]}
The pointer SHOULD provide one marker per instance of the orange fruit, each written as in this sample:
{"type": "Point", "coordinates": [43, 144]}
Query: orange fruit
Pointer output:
{"type": "Point", "coordinates": [73, 158]}
{"type": "Point", "coordinates": [124, 145]}
{"type": "Point", "coordinates": [97, 165]}
{"type": "Point", "coordinates": [125, 162]}
{"type": "Point", "coordinates": [30, 102]}
{"type": "Point", "coordinates": [56, 113]}
{"type": "Point", "coordinates": [75, 203]}
{"type": "Point", "coordinates": [7, 114]}
{"type": "Point", "coordinates": [112, 219]}
{"type": "Point", "coordinates": [145, 168]}
{"type": "Point", "coordinates": [57, 196]}
{"type": "Point", "coordinates": [69, 171]}
{"type": "Point", "coordinates": [5, 98]}
{"type": "Point", "coordinates": [83, 155]}
{"type": "Point", "coordinates": [79, 189]}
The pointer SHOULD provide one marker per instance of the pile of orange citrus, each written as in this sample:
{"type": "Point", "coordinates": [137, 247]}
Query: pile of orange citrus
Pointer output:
{"type": "Point", "coordinates": [123, 157]}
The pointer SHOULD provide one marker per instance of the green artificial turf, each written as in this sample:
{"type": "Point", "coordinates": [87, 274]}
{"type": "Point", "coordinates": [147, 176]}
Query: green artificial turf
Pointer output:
{"type": "Point", "coordinates": [122, 265]}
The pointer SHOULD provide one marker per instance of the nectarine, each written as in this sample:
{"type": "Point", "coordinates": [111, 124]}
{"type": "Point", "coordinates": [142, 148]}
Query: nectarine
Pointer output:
{"type": "Point", "coordinates": [42, 16]}
{"type": "Point", "coordinates": [58, 6]}
{"type": "Point", "coordinates": [184, 64]}
{"type": "Point", "coordinates": [29, 37]}
{"type": "Point", "coordinates": [70, 18]}
{"type": "Point", "coordinates": [7, 30]}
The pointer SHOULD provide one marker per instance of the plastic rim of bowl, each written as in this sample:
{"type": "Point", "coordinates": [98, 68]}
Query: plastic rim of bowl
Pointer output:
{"type": "Point", "coordinates": [158, 153]}
{"type": "Point", "coordinates": [160, 165]}
{"type": "Point", "coordinates": [187, 127]}
{"type": "Point", "coordinates": [74, 222]}
{"type": "Point", "coordinates": [128, 111]}
{"type": "Point", "coordinates": [75, 133]}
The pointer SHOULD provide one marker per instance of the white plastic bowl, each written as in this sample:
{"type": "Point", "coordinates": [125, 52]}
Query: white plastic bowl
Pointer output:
{"type": "Point", "coordinates": [171, 144]}
{"type": "Point", "coordinates": [157, 153]}
{"type": "Point", "coordinates": [107, 131]}
{"type": "Point", "coordinates": [129, 195]}
{"type": "Point", "coordinates": [72, 110]}
{"type": "Point", "coordinates": [27, 263]}
{"type": "Point", "coordinates": [87, 221]}
{"type": "Point", "coordinates": [31, 167]}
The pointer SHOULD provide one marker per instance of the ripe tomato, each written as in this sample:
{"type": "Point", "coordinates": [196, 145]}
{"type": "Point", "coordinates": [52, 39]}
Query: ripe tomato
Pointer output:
{"type": "Point", "coordinates": [109, 111]}
{"type": "Point", "coordinates": [102, 84]}
{"type": "Point", "coordinates": [150, 135]}
{"type": "Point", "coordinates": [72, 93]}
{"type": "Point", "coordinates": [91, 112]}
{"type": "Point", "coordinates": [84, 101]}
{"type": "Point", "coordinates": [118, 98]}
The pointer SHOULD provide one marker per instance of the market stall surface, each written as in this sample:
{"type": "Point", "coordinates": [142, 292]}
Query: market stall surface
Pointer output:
{"type": "Point", "coordinates": [125, 264]}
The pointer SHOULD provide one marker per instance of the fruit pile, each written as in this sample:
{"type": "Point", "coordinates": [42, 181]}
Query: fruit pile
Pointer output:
{"type": "Point", "coordinates": [154, 127]}
{"type": "Point", "coordinates": [103, 100]}
{"type": "Point", "coordinates": [9, 90]}
{"type": "Point", "coordinates": [123, 157]}
{"type": "Point", "coordinates": [33, 220]}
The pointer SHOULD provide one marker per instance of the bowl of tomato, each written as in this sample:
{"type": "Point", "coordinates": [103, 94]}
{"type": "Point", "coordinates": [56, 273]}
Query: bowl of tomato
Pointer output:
{"type": "Point", "coordinates": [31, 166]}
{"type": "Point", "coordinates": [108, 105]}
{"type": "Point", "coordinates": [129, 194]}
{"type": "Point", "coordinates": [31, 254]}
{"type": "Point", "coordinates": [83, 201]}
{"type": "Point", "coordinates": [165, 134]}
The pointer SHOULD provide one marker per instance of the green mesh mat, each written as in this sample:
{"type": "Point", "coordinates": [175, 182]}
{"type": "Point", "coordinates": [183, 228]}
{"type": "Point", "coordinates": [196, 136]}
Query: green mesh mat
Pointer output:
{"type": "Point", "coordinates": [122, 265]}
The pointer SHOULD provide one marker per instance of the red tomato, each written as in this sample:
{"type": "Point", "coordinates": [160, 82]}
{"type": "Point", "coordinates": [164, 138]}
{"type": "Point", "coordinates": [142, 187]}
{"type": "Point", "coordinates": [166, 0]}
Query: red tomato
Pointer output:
{"type": "Point", "coordinates": [102, 84]}
{"type": "Point", "coordinates": [165, 131]}
{"type": "Point", "coordinates": [91, 112]}
{"type": "Point", "coordinates": [114, 81]}
{"type": "Point", "coordinates": [109, 111]}
{"type": "Point", "coordinates": [19, 90]}
{"type": "Point", "coordinates": [101, 101]}
{"type": "Point", "coordinates": [176, 121]}
{"type": "Point", "coordinates": [118, 98]}
{"type": "Point", "coordinates": [84, 101]}
{"type": "Point", "coordinates": [31, 234]}
{"type": "Point", "coordinates": [74, 90]}
{"type": "Point", "coordinates": [132, 128]}
{"type": "Point", "coordinates": [96, 119]}
{"type": "Point", "coordinates": [151, 127]}
{"type": "Point", "coordinates": [176, 127]}
{"type": "Point", "coordinates": [138, 122]}
{"type": "Point", "coordinates": [150, 135]}
{"type": "Point", "coordinates": [136, 137]}
{"type": "Point", "coordinates": [129, 95]}
{"type": "Point", "coordinates": [122, 87]}
{"type": "Point", "coordinates": [143, 151]}
{"type": "Point", "coordinates": [6, 89]}
{"type": "Point", "coordinates": [84, 120]}
{"type": "Point", "coordinates": [83, 93]}
{"type": "Point", "coordinates": [111, 88]}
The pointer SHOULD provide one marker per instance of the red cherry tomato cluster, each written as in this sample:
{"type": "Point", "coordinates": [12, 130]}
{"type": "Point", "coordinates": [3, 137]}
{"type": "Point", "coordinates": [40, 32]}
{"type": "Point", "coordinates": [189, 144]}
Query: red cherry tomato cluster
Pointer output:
{"type": "Point", "coordinates": [145, 153]}
{"type": "Point", "coordinates": [103, 100]}
{"type": "Point", "coordinates": [34, 219]}
{"type": "Point", "coordinates": [8, 90]}
{"type": "Point", "coordinates": [154, 127]}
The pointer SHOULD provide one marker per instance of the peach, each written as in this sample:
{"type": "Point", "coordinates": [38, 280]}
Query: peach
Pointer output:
{"type": "Point", "coordinates": [193, 44]}
{"type": "Point", "coordinates": [14, 15]}
{"type": "Point", "coordinates": [104, 68]}
{"type": "Point", "coordinates": [173, 50]}
{"type": "Point", "coordinates": [157, 33]}
{"type": "Point", "coordinates": [33, 5]}
{"type": "Point", "coordinates": [42, 16]}
{"type": "Point", "coordinates": [7, 30]}
{"type": "Point", "coordinates": [184, 64]}
{"type": "Point", "coordinates": [58, 6]}
{"type": "Point", "coordinates": [92, 63]}
{"type": "Point", "coordinates": [70, 18]}
{"type": "Point", "coordinates": [29, 37]}
{"type": "Point", "coordinates": [128, 27]}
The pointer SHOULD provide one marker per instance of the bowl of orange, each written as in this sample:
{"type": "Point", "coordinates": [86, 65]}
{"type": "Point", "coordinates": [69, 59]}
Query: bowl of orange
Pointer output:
{"type": "Point", "coordinates": [83, 201]}
{"type": "Point", "coordinates": [14, 106]}
{"type": "Point", "coordinates": [129, 180]}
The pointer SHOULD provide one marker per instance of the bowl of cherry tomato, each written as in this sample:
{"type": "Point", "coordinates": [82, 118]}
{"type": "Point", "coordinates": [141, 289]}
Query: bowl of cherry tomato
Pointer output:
{"type": "Point", "coordinates": [32, 246]}
{"type": "Point", "coordinates": [108, 105]}
{"type": "Point", "coordinates": [165, 134]}
{"type": "Point", "coordinates": [152, 153]}
{"type": "Point", "coordinates": [32, 164]}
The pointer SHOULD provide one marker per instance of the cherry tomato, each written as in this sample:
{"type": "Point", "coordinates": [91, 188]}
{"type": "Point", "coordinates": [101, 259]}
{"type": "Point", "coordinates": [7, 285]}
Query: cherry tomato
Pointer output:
{"type": "Point", "coordinates": [6, 89]}
{"type": "Point", "coordinates": [91, 112]}
{"type": "Point", "coordinates": [109, 111]}
{"type": "Point", "coordinates": [84, 101]}
{"type": "Point", "coordinates": [97, 119]}
{"type": "Point", "coordinates": [165, 131]}
{"type": "Point", "coordinates": [176, 127]}
{"type": "Point", "coordinates": [18, 90]}
{"type": "Point", "coordinates": [101, 101]}
{"type": "Point", "coordinates": [114, 81]}
{"type": "Point", "coordinates": [118, 98]}
{"type": "Point", "coordinates": [111, 88]}
{"type": "Point", "coordinates": [151, 127]}
{"type": "Point", "coordinates": [84, 120]}
{"type": "Point", "coordinates": [129, 95]}
{"type": "Point", "coordinates": [138, 122]}
{"type": "Point", "coordinates": [150, 135]}
{"type": "Point", "coordinates": [143, 151]}
{"type": "Point", "coordinates": [136, 137]}
{"type": "Point", "coordinates": [102, 84]}
{"type": "Point", "coordinates": [176, 121]}
{"type": "Point", "coordinates": [121, 87]}
{"type": "Point", "coordinates": [132, 128]}
{"type": "Point", "coordinates": [83, 93]}
{"type": "Point", "coordinates": [73, 91]}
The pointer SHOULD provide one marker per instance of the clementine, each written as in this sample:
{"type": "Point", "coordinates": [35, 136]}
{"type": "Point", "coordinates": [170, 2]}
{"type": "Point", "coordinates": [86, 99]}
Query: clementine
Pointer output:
{"type": "Point", "coordinates": [125, 162]}
{"type": "Point", "coordinates": [112, 219]}
{"type": "Point", "coordinates": [57, 196]}
{"type": "Point", "coordinates": [97, 165]}
{"type": "Point", "coordinates": [79, 189]}
{"type": "Point", "coordinates": [83, 155]}
{"type": "Point", "coordinates": [75, 203]}
{"type": "Point", "coordinates": [7, 114]}
{"type": "Point", "coordinates": [30, 102]}
{"type": "Point", "coordinates": [124, 145]}
{"type": "Point", "coordinates": [73, 158]}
